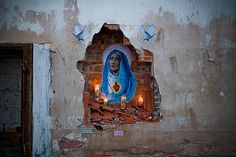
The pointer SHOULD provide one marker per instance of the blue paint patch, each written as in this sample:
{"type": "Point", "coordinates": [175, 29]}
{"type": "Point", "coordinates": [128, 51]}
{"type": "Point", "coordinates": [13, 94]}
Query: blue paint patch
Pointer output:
{"type": "Point", "coordinates": [79, 32]}
{"type": "Point", "coordinates": [148, 32]}
{"type": "Point", "coordinates": [86, 130]}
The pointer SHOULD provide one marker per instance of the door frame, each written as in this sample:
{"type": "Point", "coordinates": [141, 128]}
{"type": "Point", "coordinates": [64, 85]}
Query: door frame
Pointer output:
{"type": "Point", "coordinates": [26, 103]}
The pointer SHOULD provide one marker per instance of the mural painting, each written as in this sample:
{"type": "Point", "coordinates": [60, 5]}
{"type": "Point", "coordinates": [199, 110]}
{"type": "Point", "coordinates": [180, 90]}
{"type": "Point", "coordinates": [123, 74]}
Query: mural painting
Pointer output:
{"type": "Point", "coordinates": [119, 85]}
{"type": "Point", "coordinates": [117, 77]}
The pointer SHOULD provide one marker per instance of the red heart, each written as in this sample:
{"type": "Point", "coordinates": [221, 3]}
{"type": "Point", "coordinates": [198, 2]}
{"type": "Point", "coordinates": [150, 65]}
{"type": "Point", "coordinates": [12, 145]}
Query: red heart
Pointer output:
{"type": "Point", "coordinates": [116, 86]}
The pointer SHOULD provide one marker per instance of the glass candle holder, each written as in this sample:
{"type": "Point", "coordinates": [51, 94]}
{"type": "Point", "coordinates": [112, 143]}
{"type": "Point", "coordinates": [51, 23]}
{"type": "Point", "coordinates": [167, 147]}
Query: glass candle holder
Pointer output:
{"type": "Point", "coordinates": [123, 102]}
{"type": "Point", "coordinates": [105, 101]}
{"type": "Point", "coordinates": [97, 89]}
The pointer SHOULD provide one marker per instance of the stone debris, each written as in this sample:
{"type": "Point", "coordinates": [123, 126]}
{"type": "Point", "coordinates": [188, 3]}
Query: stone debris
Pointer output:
{"type": "Point", "coordinates": [101, 114]}
{"type": "Point", "coordinates": [69, 145]}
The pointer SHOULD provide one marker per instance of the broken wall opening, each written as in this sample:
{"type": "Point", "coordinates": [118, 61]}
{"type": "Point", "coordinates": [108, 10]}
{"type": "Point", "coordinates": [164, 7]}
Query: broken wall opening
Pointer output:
{"type": "Point", "coordinates": [144, 105]}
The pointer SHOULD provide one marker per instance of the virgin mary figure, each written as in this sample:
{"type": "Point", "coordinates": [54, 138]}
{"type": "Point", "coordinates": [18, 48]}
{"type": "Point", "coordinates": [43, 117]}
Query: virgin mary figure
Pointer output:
{"type": "Point", "coordinates": [117, 77]}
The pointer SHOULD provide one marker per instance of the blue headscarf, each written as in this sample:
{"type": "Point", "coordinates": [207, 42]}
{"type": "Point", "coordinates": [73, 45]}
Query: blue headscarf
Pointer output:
{"type": "Point", "coordinates": [125, 78]}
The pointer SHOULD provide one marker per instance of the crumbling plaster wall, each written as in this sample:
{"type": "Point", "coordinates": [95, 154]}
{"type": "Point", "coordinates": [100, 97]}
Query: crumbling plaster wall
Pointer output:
{"type": "Point", "coordinates": [194, 67]}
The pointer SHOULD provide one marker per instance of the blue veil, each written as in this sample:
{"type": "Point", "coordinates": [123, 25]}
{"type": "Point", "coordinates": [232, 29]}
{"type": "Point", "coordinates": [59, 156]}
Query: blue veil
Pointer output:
{"type": "Point", "coordinates": [125, 79]}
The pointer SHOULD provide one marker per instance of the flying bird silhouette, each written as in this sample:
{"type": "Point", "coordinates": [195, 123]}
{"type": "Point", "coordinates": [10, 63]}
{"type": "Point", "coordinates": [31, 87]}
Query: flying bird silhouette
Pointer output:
{"type": "Point", "coordinates": [148, 33]}
{"type": "Point", "coordinates": [80, 34]}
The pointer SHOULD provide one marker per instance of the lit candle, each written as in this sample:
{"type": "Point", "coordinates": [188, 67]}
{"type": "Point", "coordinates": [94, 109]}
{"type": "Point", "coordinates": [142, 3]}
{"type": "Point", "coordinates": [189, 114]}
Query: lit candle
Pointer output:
{"type": "Point", "coordinates": [140, 101]}
{"type": "Point", "coordinates": [97, 89]}
{"type": "Point", "coordinates": [123, 98]}
{"type": "Point", "coordinates": [105, 101]}
{"type": "Point", "coordinates": [122, 104]}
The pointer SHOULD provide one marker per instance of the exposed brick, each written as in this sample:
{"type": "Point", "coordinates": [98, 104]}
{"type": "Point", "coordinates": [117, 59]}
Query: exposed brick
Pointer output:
{"type": "Point", "coordinates": [148, 56]}
{"type": "Point", "coordinates": [96, 116]}
{"type": "Point", "coordinates": [94, 104]}
{"type": "Point", "coordinates": [66, 144]}
{"type": "Point", "coordinates": [148, 101]}
{"type": "Point", "coordinates": [97, 110]}
{"type": "Point", "coordinates": [126, 41]}
{"type": "Point", "coordinates": [122, 113]}
{"type": "Point", "coordinates": [122, 118]}
{"type": "Point", "coordinates": [129, 120]}
{"type": "Point", "coordinates": [144, 115]}
{"type": "Point", "coordinates": [86, 95]}
{"type": "Point", "coordinates": [98, 68]}
{"type": "Point", "coordinates": [108, 108]}
{"type": "Point", "coordinates": [139, 109]}
{"type": "Point", "coordinates": [107, 116]}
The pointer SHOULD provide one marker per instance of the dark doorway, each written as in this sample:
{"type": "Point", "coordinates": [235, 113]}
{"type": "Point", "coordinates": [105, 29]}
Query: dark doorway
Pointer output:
{"type": "Point", "coordinates": [15, 100]}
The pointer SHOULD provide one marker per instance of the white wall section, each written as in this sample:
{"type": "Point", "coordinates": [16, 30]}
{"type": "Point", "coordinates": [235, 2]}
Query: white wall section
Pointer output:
{"type": "Point", "coordinates": [41, 100]}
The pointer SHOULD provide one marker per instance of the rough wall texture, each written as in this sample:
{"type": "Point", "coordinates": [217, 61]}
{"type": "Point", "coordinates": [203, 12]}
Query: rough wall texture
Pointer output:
{"type": "Point", "coordinates": [41, 100]}
{"type": "Point", "coordinates": [194, 67]}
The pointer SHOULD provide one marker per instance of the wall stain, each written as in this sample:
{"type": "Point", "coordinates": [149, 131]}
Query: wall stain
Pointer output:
{"type": "Point", "coordinates": [193, 118]}
{"type": "Point", "coordinates": [173, 64]}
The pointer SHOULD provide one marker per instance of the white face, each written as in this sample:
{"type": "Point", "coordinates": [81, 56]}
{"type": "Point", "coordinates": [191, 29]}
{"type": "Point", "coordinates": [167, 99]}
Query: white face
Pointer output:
{"type": "Point", "coordinates": [114, 63]}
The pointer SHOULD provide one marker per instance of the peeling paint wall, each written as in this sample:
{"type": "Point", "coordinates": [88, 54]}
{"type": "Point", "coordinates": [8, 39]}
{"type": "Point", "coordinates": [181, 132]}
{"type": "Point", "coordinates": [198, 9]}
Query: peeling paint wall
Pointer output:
{"type": "Point", "coordinates": [194, 67]}
{"type": "Point", "coordinates": [41, 100]}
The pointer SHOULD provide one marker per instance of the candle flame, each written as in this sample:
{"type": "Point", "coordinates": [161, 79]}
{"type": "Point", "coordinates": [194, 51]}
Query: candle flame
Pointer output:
{"type": "Point", "coordinates": [97, 89]}
{"type": "Point", "coordinates": [123, 98]}
{"type": "Point", "coordinates": [140, 100]}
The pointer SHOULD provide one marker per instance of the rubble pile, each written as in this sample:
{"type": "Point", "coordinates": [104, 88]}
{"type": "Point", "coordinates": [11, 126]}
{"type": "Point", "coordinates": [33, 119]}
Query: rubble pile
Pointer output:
{"type": "Point", "coordinates": [107, 114]}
